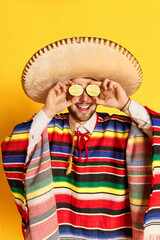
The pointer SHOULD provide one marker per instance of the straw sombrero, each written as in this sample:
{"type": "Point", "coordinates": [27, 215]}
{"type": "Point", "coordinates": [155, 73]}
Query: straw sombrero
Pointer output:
{"type": "Point", "coordinates": [69, 58]}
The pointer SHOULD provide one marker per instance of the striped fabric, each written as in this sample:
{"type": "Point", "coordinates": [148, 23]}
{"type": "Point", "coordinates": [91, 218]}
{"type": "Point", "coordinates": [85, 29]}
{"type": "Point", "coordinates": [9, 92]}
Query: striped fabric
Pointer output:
{"type": "Point", "coordinates": [40, 196]}
{"type": "Point", "coordinates": [104, 197]}
{"type": "Point", "coordinates": [152, 219]}
{"type": "Point", "coordinates": [14, 152]}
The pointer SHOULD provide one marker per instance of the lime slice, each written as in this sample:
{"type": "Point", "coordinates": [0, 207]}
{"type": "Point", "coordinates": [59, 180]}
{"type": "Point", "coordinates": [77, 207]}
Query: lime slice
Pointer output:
{"type": "Point", "coordinates": [76, 90]}
{"type": "Point", "coordinates": [93, 90]}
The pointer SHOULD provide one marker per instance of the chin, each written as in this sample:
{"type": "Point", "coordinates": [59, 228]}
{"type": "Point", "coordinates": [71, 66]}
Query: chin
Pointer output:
{"type": "Point", "coordinates": [81, 117]}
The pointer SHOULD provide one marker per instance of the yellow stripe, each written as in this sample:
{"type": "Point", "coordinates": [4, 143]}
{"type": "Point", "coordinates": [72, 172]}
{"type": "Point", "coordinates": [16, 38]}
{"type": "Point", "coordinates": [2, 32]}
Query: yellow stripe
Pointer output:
{"type": "Point", "coordinates": [156, 163]}
{"type": "Point", "coordinates": [139, 202]}
{"type": "Point", "coordinates": [94, 134]}
{"type": "Point", "coordinates": [58, 130]}
{"type": "Point", "coordinates": [91, 190]}
{"type": "Point", "coordinates": [31, 168]}
{"type": "Point", "coordinates": [17, 137]}
{"type": "Point", "coordinates": [19, 196]}
{"type": "Point", "coordinates": [40, 191]}
{"type": "Point", "coordinates": [136, 140]}
{"type": "Point", "coordinates": [110, 134]}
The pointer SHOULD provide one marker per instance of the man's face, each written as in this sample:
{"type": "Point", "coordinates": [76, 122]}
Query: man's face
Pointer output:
{"type": "Point", "coordinates": [84, 108]}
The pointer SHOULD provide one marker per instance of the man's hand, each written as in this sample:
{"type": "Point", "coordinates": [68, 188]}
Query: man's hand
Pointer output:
{"type": "Point", "coordinates": [56, 100]}
{"type": "Point", "coordinates": [113, 95]}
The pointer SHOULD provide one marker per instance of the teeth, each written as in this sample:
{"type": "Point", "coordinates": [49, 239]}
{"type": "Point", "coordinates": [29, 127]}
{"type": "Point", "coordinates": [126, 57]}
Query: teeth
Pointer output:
{"type": "Point", "coordinates": [83, 106]}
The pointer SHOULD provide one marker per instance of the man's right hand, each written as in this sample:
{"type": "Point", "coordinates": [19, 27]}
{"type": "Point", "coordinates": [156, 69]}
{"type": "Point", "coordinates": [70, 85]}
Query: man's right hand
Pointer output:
{"type": "Point", "coordinates": [56, 100]}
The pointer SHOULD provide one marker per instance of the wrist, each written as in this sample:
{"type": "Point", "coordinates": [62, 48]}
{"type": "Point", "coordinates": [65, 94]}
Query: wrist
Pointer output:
{"type": "Point", "coordinates": [50, 113]}
{"type": "Point", "coordinates": [126, 105]}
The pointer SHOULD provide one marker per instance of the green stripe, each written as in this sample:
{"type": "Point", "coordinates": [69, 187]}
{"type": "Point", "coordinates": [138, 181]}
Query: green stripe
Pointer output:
{"type": "Point", "coordinates": [156, 157]}
{"type": "Point", "coordinates": [93, 164]}
{"type": "Point", "coordinates": [18, 191]}
{"type": "Point", "coordinates": [89, 184]}
{"type": "Point", "coordinates": [137, 195]}
{"type": "Point", "coordinates": [39, 185]}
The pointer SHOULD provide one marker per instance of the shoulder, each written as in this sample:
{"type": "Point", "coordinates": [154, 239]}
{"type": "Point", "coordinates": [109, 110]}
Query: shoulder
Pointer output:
{"type": "Point", "coordinates": [18, 138]}
{"type": "Point", "coordinates": [114, 122]}
{"type": "Point", "coordinates": [59, 120]}
{"type": "Point", "coordinates": [104, 117]}
{"type": "Point", "coordinates": [23, 127]}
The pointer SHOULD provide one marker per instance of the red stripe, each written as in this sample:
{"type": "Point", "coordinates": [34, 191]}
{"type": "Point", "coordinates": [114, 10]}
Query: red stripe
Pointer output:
{"type": "Point", "coordinates": [50, 226]}
{"type": "Point", "coordinates": [34, 172]}
{"type": "Point", "coordinates": [100, 160]}
{"type": "Point", "coordinates": [12, 175]}
{"type": "Point", "coordinates": [139, 168]}
{"type": "Point", "coordinates": [41, 208]}
{"type": "Point", "coordinates": [140, 179]}
{"type": "Point", "coordinates": [155, 199]}
{"type": "Point", "coordinates": [98, 169]}
{"type": "Point", "coordinates": [115, 117]}
{"type": "Point", "coordinates": [12, 145]}
{"type": "Point", "coordinates": [156, 140]}
{"type": "Point", "coordinates": [65, 137]}
{"type": "Point", "coordinates": [16, 165]}
{"type": "Point", "coordinates": [139, 147]}
{"type": "Point", "coordinates": [114, 141]}
{"type": "Point", "coordinates": [97, 203]}
{"type": "Point", "coordinates": [156, 128]}
{"type": "Point", "coordinates": [93, 221]}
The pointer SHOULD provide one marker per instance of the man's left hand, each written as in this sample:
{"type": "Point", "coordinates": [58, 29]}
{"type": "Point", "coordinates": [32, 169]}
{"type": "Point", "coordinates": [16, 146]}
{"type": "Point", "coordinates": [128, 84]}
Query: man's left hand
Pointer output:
{"type": "Point", "coordinates": [112, 95]}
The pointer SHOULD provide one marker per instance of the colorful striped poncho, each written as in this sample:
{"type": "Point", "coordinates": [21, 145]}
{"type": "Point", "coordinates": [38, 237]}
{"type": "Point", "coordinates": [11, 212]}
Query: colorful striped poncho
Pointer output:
{"type": "Point", "coordinates": [106, 196]}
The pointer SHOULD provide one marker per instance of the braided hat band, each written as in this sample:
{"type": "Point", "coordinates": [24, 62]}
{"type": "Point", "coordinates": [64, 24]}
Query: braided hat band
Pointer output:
{"type": "Point", "coordinates": [70, 58]}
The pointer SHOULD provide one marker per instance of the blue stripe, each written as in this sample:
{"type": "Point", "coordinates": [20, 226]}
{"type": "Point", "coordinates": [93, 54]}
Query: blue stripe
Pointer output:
{"type": "Point", "coordinates": [156, 122]}
{"type": "Point", "coordinates": [91, 154]}
{"type": "Point", "coordinates": [23, 127]}
{"type": "Point", "coordinates": [93, 234]}
{"type": "Point", "coordinates": [152, 216]}
{"type": "Point", "coordinates": [16, 159]}
{"type": "Point", "coordinates": [113, 125]}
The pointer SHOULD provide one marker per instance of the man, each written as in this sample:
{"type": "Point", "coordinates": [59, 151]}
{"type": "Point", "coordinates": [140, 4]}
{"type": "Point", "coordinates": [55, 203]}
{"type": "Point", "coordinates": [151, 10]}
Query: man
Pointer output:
{"type": "Point", "coordinates": [82, 175]}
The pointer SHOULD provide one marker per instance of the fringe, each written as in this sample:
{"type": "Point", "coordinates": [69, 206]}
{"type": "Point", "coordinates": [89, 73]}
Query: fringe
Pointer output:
{"type": "Point", "coordinates": [152, 237]}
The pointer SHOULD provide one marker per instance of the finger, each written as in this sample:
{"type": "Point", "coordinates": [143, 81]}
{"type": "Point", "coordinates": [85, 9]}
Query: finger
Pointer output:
{"type": "Point", "coordinates": [68, 82]}
{"type": "Point", "coordinates": [105, 84]}
{"type": "Point", "coordinates": [63, 86]}
{"type": "Point", "coordinates": [112, 85]}
{"type": "Point", "coordinates": [57, 89]}
{"type": "Point", "coordinates": [98, 83]}
{"type": "Point", "coordinates": [115, 88]}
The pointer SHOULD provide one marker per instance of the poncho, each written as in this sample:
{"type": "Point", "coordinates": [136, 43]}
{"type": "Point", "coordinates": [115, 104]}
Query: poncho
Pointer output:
{"type": "Point", "coordinates": [114, 193]}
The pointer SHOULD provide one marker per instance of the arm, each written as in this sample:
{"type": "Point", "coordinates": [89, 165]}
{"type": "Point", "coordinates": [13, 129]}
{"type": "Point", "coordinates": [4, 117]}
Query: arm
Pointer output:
{"type": "Point", "coordinates": [56, 102]}
{"type": "Point", "coordinates": [114, 96]}
{"type": "Point", "coordinates": [140, 115]}
{"type": "Point", "coordinates": [14, 152]}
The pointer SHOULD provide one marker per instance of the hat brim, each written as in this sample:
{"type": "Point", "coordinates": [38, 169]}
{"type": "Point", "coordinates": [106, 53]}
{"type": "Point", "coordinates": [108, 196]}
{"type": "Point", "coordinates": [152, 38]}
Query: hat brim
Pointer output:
{"type": "Point", "coordinates": [80, 57]}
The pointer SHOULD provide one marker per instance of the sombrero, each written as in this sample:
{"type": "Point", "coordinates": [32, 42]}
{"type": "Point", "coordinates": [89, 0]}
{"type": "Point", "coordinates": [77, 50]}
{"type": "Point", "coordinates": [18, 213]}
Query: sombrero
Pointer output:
{"type": "Point", "coordinates": [70, 58]}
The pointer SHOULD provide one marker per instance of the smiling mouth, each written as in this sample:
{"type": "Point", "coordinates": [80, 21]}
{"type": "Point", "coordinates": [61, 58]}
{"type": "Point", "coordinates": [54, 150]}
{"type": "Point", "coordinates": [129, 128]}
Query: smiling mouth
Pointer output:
{"type": "Point", "coordinates": [83, 106]}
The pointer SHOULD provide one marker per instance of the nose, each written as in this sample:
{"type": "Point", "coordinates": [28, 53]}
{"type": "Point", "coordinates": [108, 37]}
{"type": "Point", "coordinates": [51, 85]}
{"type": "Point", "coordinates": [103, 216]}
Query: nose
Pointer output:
{"type": "Point", "coordinates": [84, 97]}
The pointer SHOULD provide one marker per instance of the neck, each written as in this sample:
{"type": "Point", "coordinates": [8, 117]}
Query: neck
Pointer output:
{"type": "Point", "coordinates": [78, 121]}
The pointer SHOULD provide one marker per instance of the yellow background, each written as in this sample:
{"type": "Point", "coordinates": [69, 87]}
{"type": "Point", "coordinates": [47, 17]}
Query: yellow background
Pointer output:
{"type": "Point", "coordinates": [26, 26]}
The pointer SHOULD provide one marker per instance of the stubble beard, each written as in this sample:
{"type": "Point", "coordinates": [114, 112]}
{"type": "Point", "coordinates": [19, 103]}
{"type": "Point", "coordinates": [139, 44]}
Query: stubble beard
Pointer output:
{"type": "Point", "coordinates": [81, 117]}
